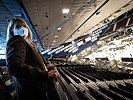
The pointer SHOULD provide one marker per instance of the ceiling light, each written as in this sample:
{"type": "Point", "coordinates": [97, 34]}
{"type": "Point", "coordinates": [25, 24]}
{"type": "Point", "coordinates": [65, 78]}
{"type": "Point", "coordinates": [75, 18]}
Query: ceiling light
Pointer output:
{"type": "Point", "coordinates": [65, 11]}
{"type": "Point", "coordinates": [70, 39]}
{"type": "Point", "coordinates": [55, 36]}
{"type": "Point", "coordinates": [73, 13]}
{"type": "Point", "coordinates": [73, 36]}
{"type": "Point", "coordinates": [54, 41]}
{"type": "Point", "coordinates": [59, 28]}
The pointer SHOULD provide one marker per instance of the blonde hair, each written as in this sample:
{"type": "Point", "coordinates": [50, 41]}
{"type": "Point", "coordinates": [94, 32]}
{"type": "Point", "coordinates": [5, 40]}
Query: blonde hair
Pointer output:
{"type": "Point", "coordinates": [10, 33]}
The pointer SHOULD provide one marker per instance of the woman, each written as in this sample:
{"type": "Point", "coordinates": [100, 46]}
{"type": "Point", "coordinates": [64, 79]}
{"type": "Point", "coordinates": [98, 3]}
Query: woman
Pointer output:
{"type": "Point", "coordinates": [25, 63]}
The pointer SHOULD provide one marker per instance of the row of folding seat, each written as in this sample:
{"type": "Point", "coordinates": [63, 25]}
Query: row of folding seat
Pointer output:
{"type": "Point", "coordinates": [7, 88]}
{"type": "Point", "coordinates": [86, 83]}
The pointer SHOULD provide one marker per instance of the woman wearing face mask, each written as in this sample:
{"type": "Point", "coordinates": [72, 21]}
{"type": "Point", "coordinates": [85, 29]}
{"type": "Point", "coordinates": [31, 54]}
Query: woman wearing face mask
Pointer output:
{"type": "Point", "coordinates": [25, 63]}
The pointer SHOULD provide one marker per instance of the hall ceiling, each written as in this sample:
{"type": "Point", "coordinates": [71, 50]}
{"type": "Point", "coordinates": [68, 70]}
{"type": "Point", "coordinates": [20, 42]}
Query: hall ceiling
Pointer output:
{"type": "Point", "coordinates": [46, 16]}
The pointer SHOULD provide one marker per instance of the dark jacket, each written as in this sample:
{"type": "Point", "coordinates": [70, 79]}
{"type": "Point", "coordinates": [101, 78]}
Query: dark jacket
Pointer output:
{"type": "Point", "coordinates": [26, 65]}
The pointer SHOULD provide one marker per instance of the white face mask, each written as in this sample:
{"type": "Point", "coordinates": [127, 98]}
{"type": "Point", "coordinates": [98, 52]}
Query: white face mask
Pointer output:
{"type": "Point", "coordinates": [22, 31]}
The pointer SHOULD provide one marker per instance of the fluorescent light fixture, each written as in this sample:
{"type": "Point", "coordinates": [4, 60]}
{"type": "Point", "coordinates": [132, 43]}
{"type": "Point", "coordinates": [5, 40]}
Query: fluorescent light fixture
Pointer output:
{"type": "Point", "coordinates": [52, 51]}
{"type": "Point", "coordinates": [88, 39]}
{"type": "Point", "coordinates": [72, 49]}
{"type": "Point", "coordinates": [49, 53]}
{"type": "Point", "coordinates": [65, 11]}
{"type": "Point", "coordinates": [75, 50]}
{"type": "Point", "coordinates": [68, 48]}
{"type": "Point", "coordinates": [57, 49]}
{"type": "Point", "coordinates": [62, 48]}
{"type": "Point", "coordinates": [80, 43]}
{"type": "Point", "coordinates": [45, 51]}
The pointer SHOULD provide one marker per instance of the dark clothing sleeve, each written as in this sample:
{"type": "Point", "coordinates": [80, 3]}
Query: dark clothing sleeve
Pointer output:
{"type": "Point", "coordinates": [16, 57]}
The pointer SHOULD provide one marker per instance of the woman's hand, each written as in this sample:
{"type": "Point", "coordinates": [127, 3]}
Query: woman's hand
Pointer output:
{"type": "Point", "coordinates": [53, 73]}
{"type": "Point", "coordinates": [52, 70]}
{"type": "Point", "coordinates": [50, 65]}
